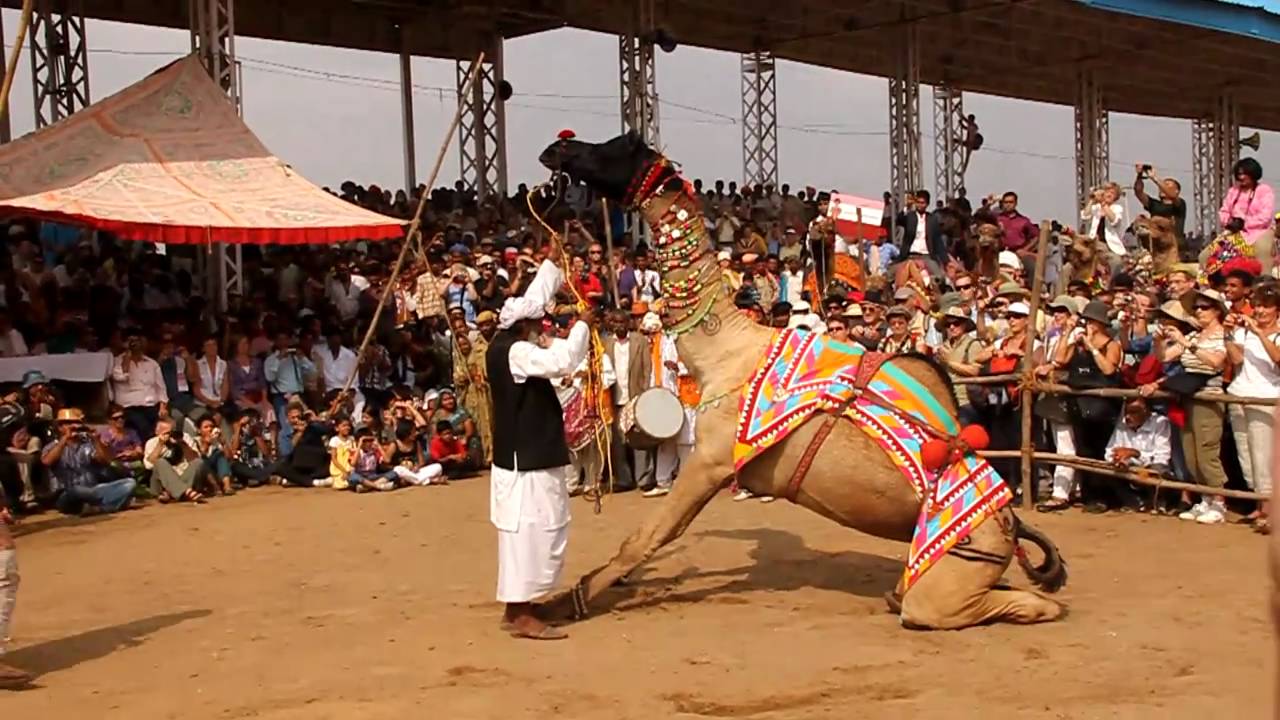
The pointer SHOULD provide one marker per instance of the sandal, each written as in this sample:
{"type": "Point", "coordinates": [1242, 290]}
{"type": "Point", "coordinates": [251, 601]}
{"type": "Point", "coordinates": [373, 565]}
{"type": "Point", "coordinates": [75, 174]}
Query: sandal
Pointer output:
{"type": "Point", "coordinates": [546, 633]}
{"type": "Point", "coordinates": [164, 498]}
{"type": "Point", "coordinates": [1262, 525]}
{"type": "Point", "coordinates": [193, 497]}
{"type": "Point", "coordinates": [1053, 505]}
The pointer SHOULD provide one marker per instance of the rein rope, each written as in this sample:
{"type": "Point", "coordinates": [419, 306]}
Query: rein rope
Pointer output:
{"type": "Point", "coordinates": [593, 386]}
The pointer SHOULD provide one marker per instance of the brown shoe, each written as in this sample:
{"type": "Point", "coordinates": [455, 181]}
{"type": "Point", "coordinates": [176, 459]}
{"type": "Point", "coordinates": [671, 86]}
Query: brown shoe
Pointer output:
{"type": "Point", "coordinates": [11, 678]}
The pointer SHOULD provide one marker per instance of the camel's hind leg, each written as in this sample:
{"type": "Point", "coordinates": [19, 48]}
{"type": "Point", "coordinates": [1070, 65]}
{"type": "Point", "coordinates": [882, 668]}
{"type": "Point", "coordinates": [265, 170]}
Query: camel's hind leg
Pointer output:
{"type": "Point", "coordinates": [960, 590]}
{"type": "Point", "coordinates": [700, 480]}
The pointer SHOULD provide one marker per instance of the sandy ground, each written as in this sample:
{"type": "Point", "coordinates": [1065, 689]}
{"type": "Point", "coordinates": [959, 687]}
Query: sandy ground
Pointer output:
{"type": "Point", "coordinates": [317, 604]}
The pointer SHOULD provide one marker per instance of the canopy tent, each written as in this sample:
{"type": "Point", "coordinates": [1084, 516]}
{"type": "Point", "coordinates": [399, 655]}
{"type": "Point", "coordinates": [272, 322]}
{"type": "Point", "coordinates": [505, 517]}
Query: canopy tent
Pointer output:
{"type": "Point", "coordinates": [169, 160]}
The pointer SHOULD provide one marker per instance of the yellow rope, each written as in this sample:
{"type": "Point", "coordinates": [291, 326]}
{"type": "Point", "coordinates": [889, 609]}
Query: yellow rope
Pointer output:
{"type": "Point", "coordinates": [594, 385]}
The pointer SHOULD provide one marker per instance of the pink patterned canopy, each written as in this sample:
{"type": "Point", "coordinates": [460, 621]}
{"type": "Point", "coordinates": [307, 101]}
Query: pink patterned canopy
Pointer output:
{"type": "Point", "coordinates": [169, 160]}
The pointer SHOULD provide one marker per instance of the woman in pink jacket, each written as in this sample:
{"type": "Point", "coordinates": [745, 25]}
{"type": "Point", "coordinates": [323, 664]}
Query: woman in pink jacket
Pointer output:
{"type": "Point", "coordinates": [1249, 199]}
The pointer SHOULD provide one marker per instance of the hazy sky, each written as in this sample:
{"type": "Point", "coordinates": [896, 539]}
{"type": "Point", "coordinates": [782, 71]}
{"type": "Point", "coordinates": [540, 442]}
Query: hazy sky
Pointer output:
{"type": "Point", "coordinates": [335, 114]}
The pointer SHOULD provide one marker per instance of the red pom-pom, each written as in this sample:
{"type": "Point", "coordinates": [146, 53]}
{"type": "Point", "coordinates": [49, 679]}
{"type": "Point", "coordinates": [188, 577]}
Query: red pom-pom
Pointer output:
{"type": "Point", "coordinates": [975, 437]}
{"type": "Point", "coordinates": [934, 453]}
{"type": "Point", "coordinates": [567, 134]}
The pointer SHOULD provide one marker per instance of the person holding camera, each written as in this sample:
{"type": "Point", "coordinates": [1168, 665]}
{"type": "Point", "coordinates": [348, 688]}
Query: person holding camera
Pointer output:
{"type": "Point", "coordinates": [249, 451]}
{"type": "Point", "coordinates": [138, 385]}
{"type": "Point", "coordinates": [175, 466]}
{"type": "Point", "coordinates": [80, 463]}
{"type": "Point", "coordinates": [1251, 202]}
{"type": "Point", "coordinates": [287, 372]}
{"type": "Point", "coordinates": [1104, 215]}
{"type": "Point", "coordinates": [1169, 204]}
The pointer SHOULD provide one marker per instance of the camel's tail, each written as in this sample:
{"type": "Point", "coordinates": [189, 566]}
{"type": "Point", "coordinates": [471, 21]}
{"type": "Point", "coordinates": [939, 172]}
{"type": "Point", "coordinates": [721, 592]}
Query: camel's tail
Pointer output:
{"type": "Point", "coordinates": [1049, 575]}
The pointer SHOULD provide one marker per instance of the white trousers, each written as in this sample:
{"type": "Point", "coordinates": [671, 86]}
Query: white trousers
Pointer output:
{"type": "Point", "coordinates": [8, 593]}
{"type": "Point", "coordinates": [1252, 426]}
{"type": "Point", "coordinates": [585, 467]}
{"type": "Point", "coordinates": [1064, 443]}
{"type": "Point", "coordinates": [422, 476]}
{"type": "Point", "coordinates": [529, 561]}
{"type": "Point", "coordinates": [667, 458]}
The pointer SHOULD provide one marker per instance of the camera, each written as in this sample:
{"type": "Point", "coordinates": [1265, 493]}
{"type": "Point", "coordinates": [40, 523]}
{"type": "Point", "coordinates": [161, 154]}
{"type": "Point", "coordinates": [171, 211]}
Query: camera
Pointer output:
{"type": "Point", "coordinates": [1234, 225]}
{"type": "Point", "coordinates": [1146, 171]}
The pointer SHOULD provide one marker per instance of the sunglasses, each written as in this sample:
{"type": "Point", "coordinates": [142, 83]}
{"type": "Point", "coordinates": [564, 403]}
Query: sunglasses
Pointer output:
{"type": "Point", "coordinates": [965, 287]}
{"type": "Point", "coordinates": [1205, 307]}
{"type": "Point", "coordinates": [117, 417]}
{"type": "Point", "coordinates": [1017, 316]}
{"type": "Point", "coordinates": [836, 328]}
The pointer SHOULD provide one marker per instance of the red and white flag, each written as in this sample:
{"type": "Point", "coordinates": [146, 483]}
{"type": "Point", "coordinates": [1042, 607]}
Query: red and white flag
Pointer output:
{"type": "Point", "coordinates": [856, 217]}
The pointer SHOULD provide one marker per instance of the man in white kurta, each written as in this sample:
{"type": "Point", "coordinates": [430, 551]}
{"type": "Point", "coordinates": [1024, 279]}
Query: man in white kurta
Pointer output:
{"type": "Point", "coordinates": [530, 507]}
{"type": "Point", "coordinates": [675, 451]}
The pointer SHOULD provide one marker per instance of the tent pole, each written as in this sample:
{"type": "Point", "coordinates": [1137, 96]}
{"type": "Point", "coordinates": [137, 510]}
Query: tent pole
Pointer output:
{"type": "Point", "coordinates": [406, 114]}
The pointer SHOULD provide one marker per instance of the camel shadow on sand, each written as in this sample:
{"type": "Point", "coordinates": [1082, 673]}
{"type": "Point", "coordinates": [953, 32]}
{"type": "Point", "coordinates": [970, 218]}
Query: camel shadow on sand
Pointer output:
{"type": "Point", "coordinates": [780, 562]}
{"type": "Point", "coordinates": [67, 652]}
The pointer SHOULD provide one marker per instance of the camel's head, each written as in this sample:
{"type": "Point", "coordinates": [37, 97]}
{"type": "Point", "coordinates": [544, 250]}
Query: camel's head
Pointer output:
{"type": "Point", "coordinates": [1155, 233]}
{"type": "Point", "coordinates": [608, 168]}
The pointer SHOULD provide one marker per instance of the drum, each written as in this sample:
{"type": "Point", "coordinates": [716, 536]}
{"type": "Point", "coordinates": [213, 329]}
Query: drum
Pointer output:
{"type": "Point", "coordinates": [651, 418]}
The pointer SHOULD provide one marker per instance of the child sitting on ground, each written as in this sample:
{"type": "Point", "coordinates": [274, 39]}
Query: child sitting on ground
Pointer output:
{"type": "Point", "coordinates": [342, 448]}
{"type": "Point", "coordinates": [404, 453]}
{"type": "Point", "coordinates": [366, 467]}
{"type": "Point", "coordinates": [450, 451]}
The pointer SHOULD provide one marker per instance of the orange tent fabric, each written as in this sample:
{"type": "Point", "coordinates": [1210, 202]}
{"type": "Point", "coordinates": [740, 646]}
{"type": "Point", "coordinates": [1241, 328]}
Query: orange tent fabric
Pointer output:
{"type": "Point", "coordinates": [169, 160]}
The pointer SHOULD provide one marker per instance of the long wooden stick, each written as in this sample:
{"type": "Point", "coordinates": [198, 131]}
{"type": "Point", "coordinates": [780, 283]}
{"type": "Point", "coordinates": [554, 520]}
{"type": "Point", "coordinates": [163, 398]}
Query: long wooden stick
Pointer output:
{"type": "Point", "coordinates": [415, 229]}
{"type": "Point", "coordinates": [1041, 387]}
{"type": "Point", "coordinates": [608, 245]}
{"type": "Point", "coordinates": [1037, 281]}
{"type": "Point", "coordinates": [11, 66]}
{"type": "Point", "coordinates": [1104, 468]}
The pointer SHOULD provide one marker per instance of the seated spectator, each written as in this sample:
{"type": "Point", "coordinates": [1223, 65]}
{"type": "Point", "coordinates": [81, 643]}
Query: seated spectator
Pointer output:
{"type": "Point", "coordinates": [1142, 439]}
{"type": "Point", "coordinates": [123, 443]}
{"type": "Point", "coordinates": [464, 426]}
{"type": "Point", "coordinates": [248, 382]}
{"type": "Point", "coordinates": [248, 450]}
{"type": "Point", "coordinates": [175, 466]}
{"type": "Point", "coordinates": [450, 452]}
{"type": "Point", "coordinates": [368, 469]}
{"type": "Point", "coordinates": [207, 443]}
{"type": "Point", "coordinates": [307, 463]}
{"type": "Point", "coordinates": [81, 466]}
{"type": "Point", "coordinates": [342, 448]}
{"type": "Point", "coordinates": [408, 461]}
{"type": "Point", "coordinates": [1254, 348]}
{"type": "Point", "coordinates": [900, 340]}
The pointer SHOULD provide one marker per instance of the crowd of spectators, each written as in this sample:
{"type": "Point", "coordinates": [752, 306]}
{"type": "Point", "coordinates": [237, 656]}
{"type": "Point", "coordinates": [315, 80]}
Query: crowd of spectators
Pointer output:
{"type": "Point", "coordinates": [207, 402]}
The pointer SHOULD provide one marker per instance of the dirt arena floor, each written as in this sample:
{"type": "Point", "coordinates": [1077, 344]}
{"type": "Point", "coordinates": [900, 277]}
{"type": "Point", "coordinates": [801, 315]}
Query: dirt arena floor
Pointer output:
{"type": "Point", "coordinates": [315, 604]}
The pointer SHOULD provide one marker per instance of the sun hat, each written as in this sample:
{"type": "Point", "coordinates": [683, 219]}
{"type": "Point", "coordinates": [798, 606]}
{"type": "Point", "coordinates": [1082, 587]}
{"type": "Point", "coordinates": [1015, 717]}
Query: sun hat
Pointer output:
{"type": "Point", "coordinates": [1065, 302]}
{"type": "Point", "coordinates": [1096, 311]}
{"type": "Point", "coordinates": [1009, 259]}
{"type": "Point", "coordinates": [854, 310]}
{"type": "Point", "coordinates": [898, 310]}
{"type": "Point", "coordinates": [1019, 308]}
{"type": "Point", "coordinates": [1176, 311]}
{"type": "Point", "coordinates": [70, 415]}
{"type": "Point", "coordinates": [1189, 299]}
{"type": "Point", "coordinates": [31, 378]}
{"type": "Point", "coordinates": [1011, 288]}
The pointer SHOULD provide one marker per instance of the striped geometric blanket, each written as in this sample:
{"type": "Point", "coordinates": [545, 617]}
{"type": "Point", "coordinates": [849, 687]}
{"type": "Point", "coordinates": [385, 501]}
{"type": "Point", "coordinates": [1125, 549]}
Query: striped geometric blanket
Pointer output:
{"type": "Point", "coordinates": [804, 373]}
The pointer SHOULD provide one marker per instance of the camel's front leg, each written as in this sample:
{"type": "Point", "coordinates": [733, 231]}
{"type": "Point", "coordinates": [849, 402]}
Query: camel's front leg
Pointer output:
{"type": "Point", "coordinates": [699, 481]}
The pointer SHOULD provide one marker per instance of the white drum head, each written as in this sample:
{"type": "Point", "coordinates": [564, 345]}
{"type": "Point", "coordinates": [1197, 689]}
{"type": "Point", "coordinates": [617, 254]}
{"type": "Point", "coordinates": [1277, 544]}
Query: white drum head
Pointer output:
{"type": "Point", "coordinates": [659, 413]}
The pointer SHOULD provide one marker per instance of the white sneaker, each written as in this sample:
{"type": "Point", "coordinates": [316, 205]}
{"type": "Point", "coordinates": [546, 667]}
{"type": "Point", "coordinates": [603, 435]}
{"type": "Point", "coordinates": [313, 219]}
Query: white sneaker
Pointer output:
{"type": "Point", "coordinates": [1195, 512]}
{"type": "Point", "coordinates": [656, 492]}
{"type": "Point", "coordinates": [322, 482]}
{"type": "Point", "coordinates": [384, 485]}
{"type": "Point", "coordinates": [1213, 515]}
{"type": "Point", "coordinates": [767, 498]}
{"type": "Point", "coordinates": [743, 495]}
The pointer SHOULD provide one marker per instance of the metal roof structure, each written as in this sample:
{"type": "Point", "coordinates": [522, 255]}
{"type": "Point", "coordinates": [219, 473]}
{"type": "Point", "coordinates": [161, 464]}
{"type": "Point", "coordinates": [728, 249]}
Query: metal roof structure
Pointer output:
{"type": "Point", "coordinates": [1169, 58]}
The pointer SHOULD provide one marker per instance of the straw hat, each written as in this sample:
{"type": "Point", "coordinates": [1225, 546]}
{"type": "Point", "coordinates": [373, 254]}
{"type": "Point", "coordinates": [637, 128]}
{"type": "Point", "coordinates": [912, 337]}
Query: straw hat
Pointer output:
{"type": "Point", "coordinates": [898, 310]}
{"type": "Point", "coordinates": [955, 313]}
{"type": "Point", "coordinates": [70, 415]}
{"type": "Point", "coordinates": [1066, 302]}
{"type": "Point", "coordinates": [1011, 288]}
{"type": "Point", "coordinates": [1188, 299]}
{"type": "Point", "coordinates": [1174, 310]}
{"type": "Point", "coordinates": [854, 310]}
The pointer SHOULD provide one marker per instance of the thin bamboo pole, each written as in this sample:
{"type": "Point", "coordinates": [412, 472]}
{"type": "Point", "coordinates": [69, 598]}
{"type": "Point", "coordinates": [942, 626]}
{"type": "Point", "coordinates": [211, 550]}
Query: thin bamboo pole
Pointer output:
{"type": "Point", "coordinates": [1119, 393]}
{"type": "Point", "coordinates": [608, 248]}
{"type": "Point", "coordinates": [415, 229]}
{"type": "Point", "coordinates": [11, 65]}
{"type": "Point", "coordinates": [1028, 448]}
{"type": "Point", "coordinates": [1105, 468]}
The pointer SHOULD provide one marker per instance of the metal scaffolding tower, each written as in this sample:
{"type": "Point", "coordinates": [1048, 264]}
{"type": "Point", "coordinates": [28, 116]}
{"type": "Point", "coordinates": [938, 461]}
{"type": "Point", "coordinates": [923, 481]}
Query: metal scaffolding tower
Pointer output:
{"type": "Point", "coordinates": [213, 39]}
{"type": "Point", "coordinates": [759, 119]}
{"type": "Point", "coordinates": [904, 115]}
{"type": "Point", "coordinates": [406, 113]}
{"type": "Point", "coordinates": [1093, 135]}
{"type": "Point", "coordinates": [1215, 148]}
{"type": "Point", "coordinates": [482, 134]}
{"type": "Point", "coordinates": [59, 60]}
{"type": "Point", "coordinates": [948, 132]}
{"type": "Point", "coordinates": [638, 73]}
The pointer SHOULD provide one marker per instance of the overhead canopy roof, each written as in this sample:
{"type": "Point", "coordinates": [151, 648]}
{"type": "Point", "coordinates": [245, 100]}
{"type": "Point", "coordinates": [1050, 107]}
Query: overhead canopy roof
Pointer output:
{"type": "Point", "coordinates": [169, 160]}
{"type": "Point", "coordinates": [1157, 57]}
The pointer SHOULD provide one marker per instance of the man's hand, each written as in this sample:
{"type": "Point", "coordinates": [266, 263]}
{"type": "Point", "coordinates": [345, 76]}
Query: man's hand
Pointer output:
{"type": "Point", "coordinates": [1122, 456]}
{"type": "Point", "coordinates": [671, 365]}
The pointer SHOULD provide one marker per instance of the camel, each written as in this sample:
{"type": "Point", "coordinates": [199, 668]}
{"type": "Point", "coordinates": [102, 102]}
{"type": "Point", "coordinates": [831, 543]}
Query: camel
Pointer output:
{"type": "Point", "coordinates": [1080, 256]}
{"type": "Point", "coordinates": [851, 480]}
{"type": "Point", "coordinates": [1155, 234]}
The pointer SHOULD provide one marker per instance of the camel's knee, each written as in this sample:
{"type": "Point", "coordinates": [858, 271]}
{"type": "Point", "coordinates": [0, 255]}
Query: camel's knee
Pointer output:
{"type": "Point", "coordinates": [1023, 607]}
{"type": "Point", "coordinates": [1010, 606]}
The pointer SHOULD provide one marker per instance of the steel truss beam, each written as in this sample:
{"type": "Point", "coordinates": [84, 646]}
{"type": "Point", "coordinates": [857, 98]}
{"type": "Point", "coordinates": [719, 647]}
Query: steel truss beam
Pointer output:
{"type": "Point", "coordinates": [1093, 135]}
{"type": "Point", "coordinates": [759, 119]}
{"type": "Point", "coordinates": [904, 115]}
{"type": "Point", "coordinates": [59, 60]}
{"type": "Point", "coordinates": [482, 133]}
{"type": "Point", "coordinates": [1215, 148]}
{"type": "Point", "coordinates": [948, 134]}
{"type": "Point", "coordinates": [213, 40]}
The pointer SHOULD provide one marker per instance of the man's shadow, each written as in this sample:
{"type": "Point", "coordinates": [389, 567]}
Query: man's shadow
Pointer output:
{"type": "Point", "coordinates": [67, 652]}
{"type": "Point", "coordinates": [780, 561]}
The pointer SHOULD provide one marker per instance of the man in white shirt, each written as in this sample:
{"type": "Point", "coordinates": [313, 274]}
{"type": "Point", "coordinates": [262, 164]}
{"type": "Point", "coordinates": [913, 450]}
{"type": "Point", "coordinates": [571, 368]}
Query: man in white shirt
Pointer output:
{"type": "Point", "coordinates": [1141, 440]}
{"type": "Point", "coordinates": [344, 292]}
{"type": "Point", "coordinates": [137, 385]}
{"type": "Point", "coordinates": [339, 362]}
{"type": "Point", "coordinates": [632, 367]}
{"type": "Point", "coordinates": [648, 283]}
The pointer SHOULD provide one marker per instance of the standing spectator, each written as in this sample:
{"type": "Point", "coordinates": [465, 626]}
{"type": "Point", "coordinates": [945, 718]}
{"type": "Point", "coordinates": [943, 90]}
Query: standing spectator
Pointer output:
{"type": "Point", "coordinates": [286, 371]}
{"type": "Point", "coordinates": [12, 343]}
{"type": "Point", "coordinates": [1057, 409]}
{"type": "Point", "coordinates": [461, 292]}
{"type": "Point", "coordinates": [338, 362]}
{"type": "Point", "coordinates": [922, 237]}
{"type": "Point", "coordinates": [1252, 347]}
{"type": "Point", "coordinates": [1019, 234]}
{"type": "Point", "coordinates": [1203, 355]}
{"type": "Point", "coordinates": [1251, 201]}
{"type": "Point", "coordinates": [428, 292]}
{"type": "Point", "coordinates": [1104, 216]}
{"type": "Point", "coordinates": [138, 386]}
{"type": "Point", "coordinates": [81, 465]}
{"type": "Point", "coordinates": [212, 387]}
{"type": "Point", "coordinates": [1168, 205]}
{"type": "Point", "coordinates": [491, 287]}
{"type": "Point", "coordinates": [648, 284]}
{"type": "Point", "coordinates": [344, 292]}
{"type": "Point", "coordinates": [175, 364]}
{"type": "Point", "coordinates": [175, 466]}
{"type": "Point", "coordinates": [959, 354]}
{"type": "Point", "coordinates": [207, 442]}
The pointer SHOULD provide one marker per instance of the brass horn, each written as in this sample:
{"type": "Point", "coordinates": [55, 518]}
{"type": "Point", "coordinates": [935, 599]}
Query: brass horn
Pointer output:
{"type": "Point", "coordinates": [1252, 142]}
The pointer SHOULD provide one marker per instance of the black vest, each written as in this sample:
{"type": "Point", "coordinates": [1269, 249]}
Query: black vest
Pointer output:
{"type": "Point", "coordinates": [527, 418]}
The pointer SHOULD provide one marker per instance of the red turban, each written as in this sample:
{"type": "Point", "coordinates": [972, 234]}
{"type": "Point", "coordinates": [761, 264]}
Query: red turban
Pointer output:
{"type": "Point", "coordinates": [567, 134]}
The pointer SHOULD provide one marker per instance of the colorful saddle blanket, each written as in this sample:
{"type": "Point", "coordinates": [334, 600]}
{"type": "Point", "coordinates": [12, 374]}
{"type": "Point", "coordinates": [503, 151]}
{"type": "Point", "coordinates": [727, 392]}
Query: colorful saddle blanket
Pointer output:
{"type": "Point", "coordinates": [804, 373]}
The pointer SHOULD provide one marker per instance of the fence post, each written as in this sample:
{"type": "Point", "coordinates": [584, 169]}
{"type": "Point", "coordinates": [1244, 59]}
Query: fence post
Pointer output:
{"type": "Point", "coordinates": [1028, 396]}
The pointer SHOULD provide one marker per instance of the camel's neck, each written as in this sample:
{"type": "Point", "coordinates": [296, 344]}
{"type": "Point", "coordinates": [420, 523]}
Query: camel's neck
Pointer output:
{"type": "Point", "coordinates": [719, 344]}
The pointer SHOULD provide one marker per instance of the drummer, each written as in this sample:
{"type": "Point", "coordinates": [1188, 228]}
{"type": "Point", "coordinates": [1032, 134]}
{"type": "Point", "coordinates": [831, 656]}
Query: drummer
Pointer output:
{"type": "Point", "coordinates": [628, 352]}
{"type": "Point", "coordinates": [667, 371]}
